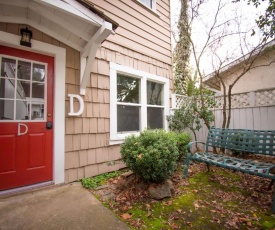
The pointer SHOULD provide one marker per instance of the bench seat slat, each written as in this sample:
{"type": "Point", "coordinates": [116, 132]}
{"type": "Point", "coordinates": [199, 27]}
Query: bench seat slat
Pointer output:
{"type": "Point", "coordinates": [248, 166]}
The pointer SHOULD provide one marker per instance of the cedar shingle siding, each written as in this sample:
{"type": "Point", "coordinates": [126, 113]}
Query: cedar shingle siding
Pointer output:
{"type": "Point", "coordinates": [143, 42]}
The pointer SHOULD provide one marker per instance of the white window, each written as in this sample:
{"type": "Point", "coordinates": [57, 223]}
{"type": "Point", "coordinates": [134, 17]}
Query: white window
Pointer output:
{"type": "Point", "coordinates": [138, 100]}
{"type": "Point", "coordinates": [149, 3]}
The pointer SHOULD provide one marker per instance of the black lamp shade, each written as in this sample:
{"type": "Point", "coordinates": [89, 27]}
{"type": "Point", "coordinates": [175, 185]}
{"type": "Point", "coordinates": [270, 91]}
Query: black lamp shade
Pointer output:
{"type": "Point", "coordinates": [26, 36]}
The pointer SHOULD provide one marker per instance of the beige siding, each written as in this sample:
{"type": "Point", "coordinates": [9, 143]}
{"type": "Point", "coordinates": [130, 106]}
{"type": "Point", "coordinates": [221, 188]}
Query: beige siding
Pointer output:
{"type": "Point", "coordinates": [92, 148]}
{"type": "Point", "coordinates": [142, 42]}
{"type": "Point", "coordinates": [163, 8]}
{"type": "Point", "coordinates": [261, 77]}
{"type": "Point", "coordinates": [140, 29]}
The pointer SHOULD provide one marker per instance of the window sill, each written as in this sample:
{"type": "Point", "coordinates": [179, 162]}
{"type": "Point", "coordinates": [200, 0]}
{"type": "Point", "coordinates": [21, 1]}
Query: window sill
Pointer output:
{"type": "Point", "coordinates": [146, 8]}
{"type": "Point", "coordinates": [116, 142]}
{"type": "Point", "coordinates": [119, 139]}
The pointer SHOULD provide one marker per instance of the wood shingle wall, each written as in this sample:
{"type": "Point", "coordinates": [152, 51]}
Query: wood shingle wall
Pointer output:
{"type": "Point", "coordinates": [143, 42]}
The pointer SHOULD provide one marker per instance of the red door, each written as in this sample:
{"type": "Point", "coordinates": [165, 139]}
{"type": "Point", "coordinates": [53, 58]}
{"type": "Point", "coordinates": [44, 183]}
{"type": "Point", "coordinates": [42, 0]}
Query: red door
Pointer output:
{"type": "Point", "coordinates": [26, 109]}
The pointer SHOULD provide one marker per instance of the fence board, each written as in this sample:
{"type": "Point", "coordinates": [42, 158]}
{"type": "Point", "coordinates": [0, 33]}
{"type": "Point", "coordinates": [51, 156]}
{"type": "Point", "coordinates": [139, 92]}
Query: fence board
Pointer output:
{"type": "Point", "coordinates": [263, 118]}
{"type": "Point", "coordinates": [256, 118]}
{"type": "Point", "coordinates": [235, 119]}
{"type": "Point", "coordinates": [242, 113]}
{"type": "Point", "coordinates": [250, 110]}
{"type": "Point", "coordinates": [249, 118]}
{"type": "Point", "coordinates": [271, 118]}
{"type": "Point", "coordinates": [218, 118]}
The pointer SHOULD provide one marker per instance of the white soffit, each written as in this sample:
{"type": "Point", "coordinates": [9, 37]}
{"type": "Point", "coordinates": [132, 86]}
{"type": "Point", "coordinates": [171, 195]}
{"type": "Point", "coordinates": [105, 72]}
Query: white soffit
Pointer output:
{"type": "Point", "coordinates": [68, 21]}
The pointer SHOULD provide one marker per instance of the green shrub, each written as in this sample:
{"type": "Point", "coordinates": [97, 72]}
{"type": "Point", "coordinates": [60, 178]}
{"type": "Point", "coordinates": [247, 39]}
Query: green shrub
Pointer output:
{"type": "Point", "coordinates": [152, 155]}
{"type": "Point", "coordinates": [182, 139]}
{"type": "Point", "coordinates": [93, 182]}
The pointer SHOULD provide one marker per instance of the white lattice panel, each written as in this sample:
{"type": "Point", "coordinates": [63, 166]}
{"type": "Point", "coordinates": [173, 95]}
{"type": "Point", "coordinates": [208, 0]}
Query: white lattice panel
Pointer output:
{"type": "Point", "coordinates": [178, 100]}
{"type": "Point", "coordinates": [240, 100]}
{"type": "Point", "coordinates": [219, 102]}
{"type": "Point", "coordinates": [266, 97]}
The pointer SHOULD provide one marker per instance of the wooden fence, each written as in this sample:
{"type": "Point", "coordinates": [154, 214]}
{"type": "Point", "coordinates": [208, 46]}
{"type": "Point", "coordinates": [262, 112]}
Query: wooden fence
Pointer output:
{"type": "Point", "coordinates": [250, 110]}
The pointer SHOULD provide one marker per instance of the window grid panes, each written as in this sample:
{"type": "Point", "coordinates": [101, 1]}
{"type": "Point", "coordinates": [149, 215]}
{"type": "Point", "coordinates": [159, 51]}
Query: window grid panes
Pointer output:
{"type": "Point", "coordinates": [22, 90]}
{"type": "Point", "coordinates": [154, 93]}
{"type": "Point", "coordinates": [143, 105]}
{"type": "Point", "coordinates": [128, 118]}
{"type": "Point", "coordinates": [128, 108]}
{"type": "Point", "coordinates": [155, 118]}
{"type": "Point", "coordinates": [129, 104]}
{"type": "Point", "coordinates": [155, 108]}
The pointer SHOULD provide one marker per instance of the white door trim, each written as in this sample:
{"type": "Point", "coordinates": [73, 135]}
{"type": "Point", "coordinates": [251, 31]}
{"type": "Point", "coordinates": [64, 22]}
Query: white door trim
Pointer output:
{"type": "Point", "coordinates": [59, 54]}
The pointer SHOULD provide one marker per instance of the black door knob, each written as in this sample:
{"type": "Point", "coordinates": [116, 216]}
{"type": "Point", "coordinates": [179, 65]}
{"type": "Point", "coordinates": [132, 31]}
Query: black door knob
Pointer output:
{"type": "Point", "coordinates": [49, 125]}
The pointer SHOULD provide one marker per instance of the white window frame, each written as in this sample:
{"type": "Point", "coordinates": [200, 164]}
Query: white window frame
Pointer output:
{"type": "Point", "coordinates": [117, 138]}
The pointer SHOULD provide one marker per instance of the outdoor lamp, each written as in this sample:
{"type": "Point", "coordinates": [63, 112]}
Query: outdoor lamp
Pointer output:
{"type": "Point", "coordinates": [26, 36]}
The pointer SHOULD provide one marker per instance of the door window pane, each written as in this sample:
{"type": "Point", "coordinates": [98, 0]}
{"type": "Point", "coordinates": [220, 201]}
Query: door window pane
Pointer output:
{"type": "Point", "coordinates": [127, 89]}
{"type": "Point", "coordinates": [128, 118]}
{"type": "Point", "coordinates": [23, 90]}
{"type": "Point", "coordinates": [8, 68]}
{"type": "Point", "coordinates": [37, 91]}
{"type": "Point", "coordinates": [154, 93]}
{"type": "Point", "coordinates": [38, 73]}
{"type": "Point", "coordinates": [37, 112]}
{"type": "Point", "coordinates": [7, 88]}
{"type": "Point", "coordinates": [23, 84]}
{"type": "Point", "coordinates": [6, 109]}
{"type": "Point", "coordinates": [154, 118]}
{"type": "Point", "coordinates": [22, 110]}
{"type": "Point", "coordinates": [24, 70]}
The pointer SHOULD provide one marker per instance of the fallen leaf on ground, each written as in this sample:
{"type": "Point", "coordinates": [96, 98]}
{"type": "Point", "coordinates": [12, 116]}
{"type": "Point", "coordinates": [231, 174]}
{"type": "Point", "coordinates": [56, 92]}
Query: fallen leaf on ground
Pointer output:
{"type": "Point", "coordinates": [126, 216]}
{"type": "Point", "coordinates": [173, 225]}
{"type": "Point", "coordinates": [196, 205]}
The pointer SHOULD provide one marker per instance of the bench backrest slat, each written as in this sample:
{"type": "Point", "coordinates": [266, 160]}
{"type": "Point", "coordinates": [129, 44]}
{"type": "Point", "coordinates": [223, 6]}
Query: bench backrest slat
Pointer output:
{"type": "Point", "coordinates": [253, 141]}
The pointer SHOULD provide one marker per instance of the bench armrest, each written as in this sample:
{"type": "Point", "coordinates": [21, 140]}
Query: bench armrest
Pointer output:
{"type": "Point", "coordinates": [191, 143]}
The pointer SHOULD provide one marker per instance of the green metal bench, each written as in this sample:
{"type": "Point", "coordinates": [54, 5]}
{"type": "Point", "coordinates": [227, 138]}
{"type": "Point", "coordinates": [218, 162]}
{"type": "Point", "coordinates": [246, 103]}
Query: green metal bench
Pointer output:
{"type": "Point", "coordinates": [251, 141]}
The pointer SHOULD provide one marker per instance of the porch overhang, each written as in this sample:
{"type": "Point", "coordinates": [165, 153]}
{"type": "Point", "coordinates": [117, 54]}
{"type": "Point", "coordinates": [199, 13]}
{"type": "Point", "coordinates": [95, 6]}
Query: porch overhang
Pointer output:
{"type": "Point", "coordinates": [76, 23]}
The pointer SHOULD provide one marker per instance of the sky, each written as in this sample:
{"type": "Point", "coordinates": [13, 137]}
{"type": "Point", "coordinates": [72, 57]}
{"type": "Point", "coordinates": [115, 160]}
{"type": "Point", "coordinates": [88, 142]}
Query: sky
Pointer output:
{"type": "Point", "coordinates": [239, 15]}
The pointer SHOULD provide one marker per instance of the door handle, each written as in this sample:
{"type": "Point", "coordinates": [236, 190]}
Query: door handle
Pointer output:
{"type": "Point", "coordinates": [19, 129]}
{"type": "Point", "coordinates": [49, 125]}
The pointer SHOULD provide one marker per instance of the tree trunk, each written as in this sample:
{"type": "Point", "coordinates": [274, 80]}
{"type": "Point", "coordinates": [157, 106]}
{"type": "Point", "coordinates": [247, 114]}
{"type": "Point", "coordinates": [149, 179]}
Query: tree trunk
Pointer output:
{"type": "Point", "coordinates": [224, 110]}
{"type": "Point", "coordinates": [195, 136]}
{"type": "Point", "coordinates": [202, 104]}
{"type": "Point", "coordinates": [229, 106]}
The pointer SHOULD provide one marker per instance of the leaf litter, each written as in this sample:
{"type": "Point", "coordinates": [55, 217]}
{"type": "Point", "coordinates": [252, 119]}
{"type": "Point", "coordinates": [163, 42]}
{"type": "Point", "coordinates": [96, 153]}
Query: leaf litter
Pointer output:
{"type": "Point", "coordinates": [221, 199]}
